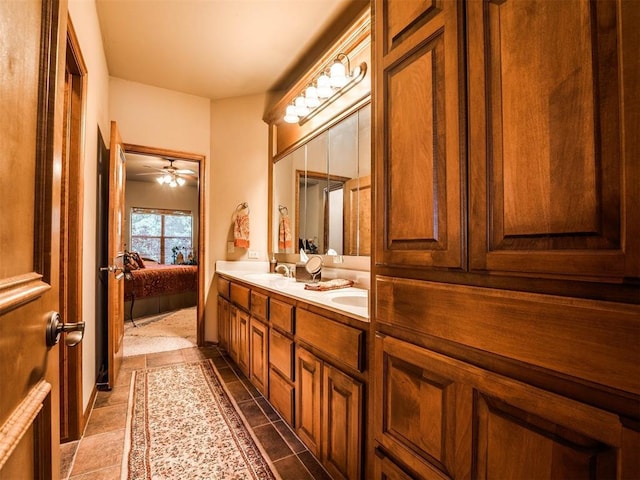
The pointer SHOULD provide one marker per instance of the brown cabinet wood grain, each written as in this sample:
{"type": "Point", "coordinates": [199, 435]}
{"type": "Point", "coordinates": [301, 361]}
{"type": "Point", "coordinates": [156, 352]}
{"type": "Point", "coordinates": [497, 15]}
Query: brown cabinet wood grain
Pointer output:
{"type": "Point", "coordinates": [233, 333]}
{"type": "Point", "coordinates": [308, 398]}
{"type": "Point", "coordinates": [419, 210]}
{"type": "Point", "coordinates": [259, 355]}
{"type": "Point", "coordinates": [282, 396]}
{"type": "Point", "coordinates": [281, 353]}
{"type": "Point", "coordinates": [260, 306]}
{"type": "Point", "coordinates": [342, 431]}
{"type": "Point", "coordinates": [344, 343]}
{"type": "Point", "coordinates": [224, 325]}
{"type": "Point", "coordinates": [550, 181]}
{"type": "Point", "coordinates": [444, 417]}
{"type": "Point", "coordinates": [240, 295]}
{"type": "Point", "coordinates": [282, 315]}
{"type": "Point", "coordinates": [242, 322]}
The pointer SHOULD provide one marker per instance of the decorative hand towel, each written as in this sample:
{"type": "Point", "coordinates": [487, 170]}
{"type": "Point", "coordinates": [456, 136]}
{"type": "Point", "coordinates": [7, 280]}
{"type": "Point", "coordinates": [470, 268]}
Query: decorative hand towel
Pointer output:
{"type": "Point", "coordinates": [329, 284]}
{"type": "Point", "coordinates": [241, 229]}
{"type": "Point", "coordinates": [284, 233]}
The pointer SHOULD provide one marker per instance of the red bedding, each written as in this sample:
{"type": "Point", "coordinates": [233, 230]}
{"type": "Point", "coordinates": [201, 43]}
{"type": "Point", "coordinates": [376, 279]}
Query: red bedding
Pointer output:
{"type": "Point", "coordinates": [157, 279]}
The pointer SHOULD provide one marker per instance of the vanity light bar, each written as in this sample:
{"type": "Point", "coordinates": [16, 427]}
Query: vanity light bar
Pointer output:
{"type": "Point", "coordinates": [330, 84]}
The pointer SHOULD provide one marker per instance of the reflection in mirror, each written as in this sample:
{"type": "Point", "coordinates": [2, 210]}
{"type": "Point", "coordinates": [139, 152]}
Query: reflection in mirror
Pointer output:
{"type": "Point", "coordinates": [327, 182]}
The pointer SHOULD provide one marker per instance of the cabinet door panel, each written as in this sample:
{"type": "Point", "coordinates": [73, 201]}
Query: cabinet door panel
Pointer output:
{"type": "Point", "coordinates": [550, 183]}
{"type": "Point", "coordinates": [342, 424]}
{"type": "Point", "coordinates": [259, 355]}
{"type": "Point", "coordinates": [419, 209]}
{"type": "Point", "coordinates": [223, 324]}
{"type": "Point", "coordinates": [308, 397]}
{"type": "Point", "coordinates": [479, 424]}
{"type": "Point", "coordinates": [243, 341]}
{"type": "Point", "coordinates": [281, 396]}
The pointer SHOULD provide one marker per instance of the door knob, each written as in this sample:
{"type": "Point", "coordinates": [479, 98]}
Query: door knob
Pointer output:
{"type": "Point", "coordinates": [55, 328]}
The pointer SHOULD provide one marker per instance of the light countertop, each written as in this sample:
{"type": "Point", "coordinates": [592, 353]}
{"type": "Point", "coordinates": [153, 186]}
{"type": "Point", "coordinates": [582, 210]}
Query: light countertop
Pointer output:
{"type": "Point", "coordinates": [351, 301]}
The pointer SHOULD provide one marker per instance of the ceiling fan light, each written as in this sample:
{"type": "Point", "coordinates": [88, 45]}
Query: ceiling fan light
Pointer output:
{"type": "Point", "coordinates": [167, 178]}
{"type": "Point", "coordinates": [160, 179]}
{"type": "Point", "coordinates": [173, 183]}
{"type": "Point", "coordinates": [181, 181]}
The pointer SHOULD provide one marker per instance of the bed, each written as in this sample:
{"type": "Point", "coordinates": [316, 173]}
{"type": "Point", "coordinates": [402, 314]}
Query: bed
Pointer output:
{"type": "Point", "coordinates": [171, 286]}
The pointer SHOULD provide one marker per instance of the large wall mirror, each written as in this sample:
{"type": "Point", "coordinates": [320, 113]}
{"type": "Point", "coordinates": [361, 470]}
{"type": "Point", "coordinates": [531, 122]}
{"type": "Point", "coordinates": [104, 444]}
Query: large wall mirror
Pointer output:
{"type": "Point", "coordinates": [322, 191]}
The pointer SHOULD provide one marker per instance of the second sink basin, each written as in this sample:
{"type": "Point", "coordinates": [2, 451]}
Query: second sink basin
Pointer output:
{"type": "Point", "coordinates": [352, 299]}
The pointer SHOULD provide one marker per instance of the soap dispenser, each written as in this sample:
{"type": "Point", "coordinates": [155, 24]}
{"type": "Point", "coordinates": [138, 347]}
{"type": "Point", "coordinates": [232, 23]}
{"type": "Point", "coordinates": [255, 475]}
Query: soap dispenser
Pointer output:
{"type": "Point", "coordinates": [272, 263]}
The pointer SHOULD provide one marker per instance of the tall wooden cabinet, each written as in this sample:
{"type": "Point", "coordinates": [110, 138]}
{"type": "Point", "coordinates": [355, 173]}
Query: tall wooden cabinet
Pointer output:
{"type": "Point", "coordinates": [507, 223]}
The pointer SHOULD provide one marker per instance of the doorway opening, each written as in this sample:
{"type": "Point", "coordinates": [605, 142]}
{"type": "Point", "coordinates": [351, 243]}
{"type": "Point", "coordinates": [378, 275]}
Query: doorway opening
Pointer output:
{"type": "Point", "coordinates": [164, 230]}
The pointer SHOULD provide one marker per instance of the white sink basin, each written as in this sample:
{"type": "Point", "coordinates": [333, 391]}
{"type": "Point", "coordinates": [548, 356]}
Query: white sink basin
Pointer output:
{"type": "Point", "coordinates": [351, 299]}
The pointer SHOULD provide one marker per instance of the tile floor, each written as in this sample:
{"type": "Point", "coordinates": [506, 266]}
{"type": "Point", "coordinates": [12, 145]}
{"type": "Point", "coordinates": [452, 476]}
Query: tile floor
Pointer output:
{"type": "Point", "coordinates": [98, 454]}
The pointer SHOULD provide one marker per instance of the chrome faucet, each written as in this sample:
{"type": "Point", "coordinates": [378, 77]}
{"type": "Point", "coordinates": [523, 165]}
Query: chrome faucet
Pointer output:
{"type": "Point", "coordinates": [287, 270]}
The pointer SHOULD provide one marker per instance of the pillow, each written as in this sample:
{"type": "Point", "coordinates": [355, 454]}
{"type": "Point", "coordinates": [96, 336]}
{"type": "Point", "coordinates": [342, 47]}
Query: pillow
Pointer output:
{"type": "Point", "coordinates": [137, 259]}
{"type": "Point", "coordinates": [130, 262]}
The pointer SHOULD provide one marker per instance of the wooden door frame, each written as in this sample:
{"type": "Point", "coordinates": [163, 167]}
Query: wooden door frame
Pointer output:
{"type": "Point", "coordinates": [72, 415]}
{"type": "Point", "coordinates": [201, 252]}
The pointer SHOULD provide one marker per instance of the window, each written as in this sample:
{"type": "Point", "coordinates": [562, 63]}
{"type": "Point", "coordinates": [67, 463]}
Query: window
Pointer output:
{"type": "Point", "coordinates": [161, 234]}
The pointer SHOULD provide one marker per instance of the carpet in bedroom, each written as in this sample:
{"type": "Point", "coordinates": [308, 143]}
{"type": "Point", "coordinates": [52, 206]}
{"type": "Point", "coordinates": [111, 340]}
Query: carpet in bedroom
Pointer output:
{"type": "Point", "coordinates": [161, 333]}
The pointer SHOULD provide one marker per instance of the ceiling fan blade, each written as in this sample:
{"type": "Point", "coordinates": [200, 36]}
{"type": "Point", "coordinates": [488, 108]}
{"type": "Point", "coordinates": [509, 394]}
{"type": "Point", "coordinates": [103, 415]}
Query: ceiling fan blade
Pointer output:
{"type": "Point", "coordinates": [185, 172]}
{"type": "Point", "coordinates": [151, 173]}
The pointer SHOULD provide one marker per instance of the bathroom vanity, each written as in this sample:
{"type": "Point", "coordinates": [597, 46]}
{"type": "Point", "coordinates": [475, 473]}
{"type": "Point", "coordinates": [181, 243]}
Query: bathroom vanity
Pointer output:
{"type": "Point", "coordinates": [305, 351]}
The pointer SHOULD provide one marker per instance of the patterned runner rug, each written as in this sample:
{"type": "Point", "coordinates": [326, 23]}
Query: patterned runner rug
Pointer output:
{"type": "Point", "coordinates": [182, 424]}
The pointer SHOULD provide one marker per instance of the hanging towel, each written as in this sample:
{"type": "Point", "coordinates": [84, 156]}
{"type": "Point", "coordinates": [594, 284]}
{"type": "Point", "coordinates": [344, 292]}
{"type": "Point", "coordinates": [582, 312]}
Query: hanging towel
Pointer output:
{"type": "Point", "coordinates": [241, 230]}
{"type": "Point", "coordinates": [284, 234]}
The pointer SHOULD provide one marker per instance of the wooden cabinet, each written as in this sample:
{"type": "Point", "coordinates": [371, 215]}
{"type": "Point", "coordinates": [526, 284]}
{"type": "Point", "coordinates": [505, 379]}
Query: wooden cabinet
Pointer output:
{"type": "Point", "coordinates": [259, 355]}
{"type": "Point", "coordinates": [242, 324]}
{"type": "Point", "coordinates": [419, 144]}
{"type": "Point", "coordinates": [442, 417]}
{"type": "Point", "coordinates": [535, 134]}
{"type": "Point", "coordinates": [308, 396]}
{"type": "Point", "coordinates": [507, 260]}
{"type": "Point", "coordinates": [233, 333]}
{"type": "Point", "coordinates": [342, 414]}
{"type": "Point", "coordinates": [223, 323]}
{"type": "Point", "coordinates": [311, 367]}
{"type": "Point", "coordinates": [550, 181]}
{"type": "Point", "coordinates": [329, 414]}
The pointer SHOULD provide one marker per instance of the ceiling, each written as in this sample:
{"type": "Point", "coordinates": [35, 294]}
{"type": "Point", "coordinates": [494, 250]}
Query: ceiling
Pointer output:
{"type": "Point", "coordinates": [212, 48]}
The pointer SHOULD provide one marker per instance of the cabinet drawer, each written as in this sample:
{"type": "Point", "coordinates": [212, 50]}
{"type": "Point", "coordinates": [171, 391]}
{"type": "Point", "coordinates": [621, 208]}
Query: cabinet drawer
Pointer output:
{"type": "Point", "coordinates": [281, 395]}
{"type": "Point", "coordinates": [240, 295]}
{"type": "Point", "coordinates": [223, 287]}
{"type": "Point", "coordinates": [281, 315]}
{"type": "Point", "coordinates": [342, 342]}
{"type": "Point", "coordinates": [260, 306]}
{"type": "Point", "coordinates": [281, 353]}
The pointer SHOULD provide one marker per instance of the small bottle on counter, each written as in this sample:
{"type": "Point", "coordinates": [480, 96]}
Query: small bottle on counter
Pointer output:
{"type": "Point", "coordinates": [272, 263]}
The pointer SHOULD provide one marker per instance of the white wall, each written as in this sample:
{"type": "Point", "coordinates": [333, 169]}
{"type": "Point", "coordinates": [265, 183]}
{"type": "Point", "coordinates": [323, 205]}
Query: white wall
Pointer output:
{"type": "Point", "coordinates": [239, 173]}
{"type": "Point", "coordinates": [85, 21]}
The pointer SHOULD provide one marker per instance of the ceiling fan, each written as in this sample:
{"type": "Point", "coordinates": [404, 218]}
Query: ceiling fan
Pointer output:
{"type": "Point", "coordinates": [170, 175]}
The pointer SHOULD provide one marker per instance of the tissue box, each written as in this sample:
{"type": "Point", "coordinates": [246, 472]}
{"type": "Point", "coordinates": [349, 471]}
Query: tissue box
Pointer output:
{"type": "Point", "coordinates": [303, 276]}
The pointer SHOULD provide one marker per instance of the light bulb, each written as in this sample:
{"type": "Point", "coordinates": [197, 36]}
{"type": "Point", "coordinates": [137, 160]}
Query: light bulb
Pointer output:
{"type": "Point", "coordinates": [290, 115]}
{"type": "Point", "coordinates": [181, 181]}
{"type": "Point", "coordinates": [301, 106]}
{"type": "Point", "coordinates": [160, 180]}
{"type": "Point", "coordinates": [167, 178]}
{"type": "Point", "coordinates": [324, 86]}
{"type": "Point", "coordinates": [311, 97]}
{"type": "Point", "coordinates": [338, 74]}
{"type": "Point", "coordinates": [173, 183]}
